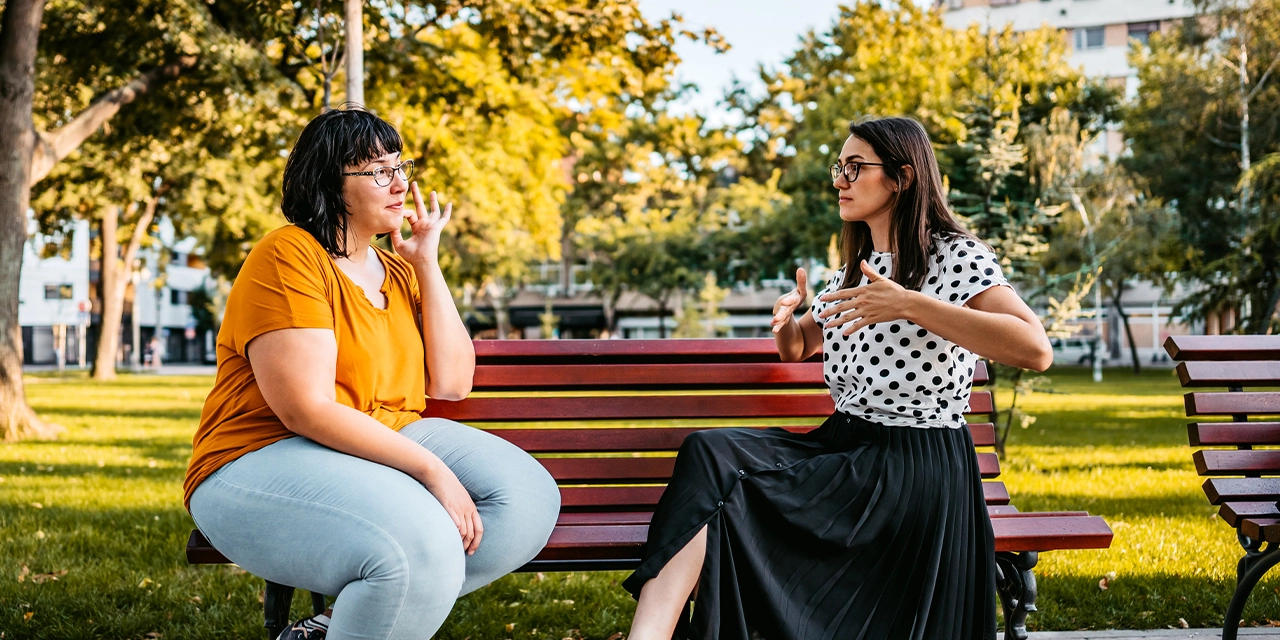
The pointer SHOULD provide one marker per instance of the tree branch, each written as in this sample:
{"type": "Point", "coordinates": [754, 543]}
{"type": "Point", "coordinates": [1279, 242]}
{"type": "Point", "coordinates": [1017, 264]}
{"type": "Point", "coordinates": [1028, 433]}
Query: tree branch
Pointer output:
{"type": "Point", "coordinates": [1263, 80]}
{"type": "Point", "coordinates": [50, 148]}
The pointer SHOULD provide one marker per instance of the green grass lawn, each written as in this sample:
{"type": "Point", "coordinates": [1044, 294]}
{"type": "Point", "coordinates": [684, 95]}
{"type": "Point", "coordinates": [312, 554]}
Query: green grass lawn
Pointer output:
{"type": "Point", "coordinates": [92, 525]}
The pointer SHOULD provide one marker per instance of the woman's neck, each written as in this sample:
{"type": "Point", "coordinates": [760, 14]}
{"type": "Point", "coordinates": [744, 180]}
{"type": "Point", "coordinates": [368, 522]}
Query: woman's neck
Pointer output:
{"type": "Point", "coordinates": [880, 230]}
{"type": "Point", "coordinates": [357, 248]}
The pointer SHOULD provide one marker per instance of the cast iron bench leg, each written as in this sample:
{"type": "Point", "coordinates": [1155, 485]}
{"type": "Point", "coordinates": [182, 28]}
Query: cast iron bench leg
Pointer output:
{"type": "Point", "coordinates": [275, 608]}
{"type": "Point", "coordinates": [1016, 586]}
{"type": "Point", "coordinates": [1252, 567]}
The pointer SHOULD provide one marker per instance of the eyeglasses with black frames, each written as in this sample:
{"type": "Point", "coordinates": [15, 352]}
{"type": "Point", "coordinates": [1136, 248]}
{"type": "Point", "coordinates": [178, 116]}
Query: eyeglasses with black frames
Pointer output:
{"type": "Point", "coordinates": [382, 176]}
{"type": "Point", "coordinates": [850, 170]}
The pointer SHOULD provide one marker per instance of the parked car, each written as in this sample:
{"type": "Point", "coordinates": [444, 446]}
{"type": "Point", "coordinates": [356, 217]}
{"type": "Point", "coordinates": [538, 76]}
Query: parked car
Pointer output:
{"type": "Point", "coordinates": [1077, 351]}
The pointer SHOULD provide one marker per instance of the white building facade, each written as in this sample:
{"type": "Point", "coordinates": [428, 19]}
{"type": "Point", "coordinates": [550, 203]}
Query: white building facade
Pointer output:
{"type": "Point", "coordinates": [57, 303]}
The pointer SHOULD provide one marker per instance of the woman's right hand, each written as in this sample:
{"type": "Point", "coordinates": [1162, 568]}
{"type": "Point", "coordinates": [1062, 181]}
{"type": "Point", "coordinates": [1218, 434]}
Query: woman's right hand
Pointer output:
{"type": "Point", "coordinates": [444, 485]}
{"type": "Point", "coordinates": [785, 308]}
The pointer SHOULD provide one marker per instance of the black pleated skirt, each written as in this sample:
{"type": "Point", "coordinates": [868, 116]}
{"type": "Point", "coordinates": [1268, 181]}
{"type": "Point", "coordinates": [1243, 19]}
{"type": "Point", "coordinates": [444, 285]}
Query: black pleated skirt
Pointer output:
{"type": "Point", "coordinates": [854, 530]}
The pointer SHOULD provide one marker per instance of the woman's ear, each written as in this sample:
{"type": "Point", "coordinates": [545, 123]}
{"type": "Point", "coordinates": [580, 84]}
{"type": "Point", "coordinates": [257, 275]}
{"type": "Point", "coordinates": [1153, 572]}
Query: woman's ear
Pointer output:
{"type": "Point", "coordinates": [906, 177]}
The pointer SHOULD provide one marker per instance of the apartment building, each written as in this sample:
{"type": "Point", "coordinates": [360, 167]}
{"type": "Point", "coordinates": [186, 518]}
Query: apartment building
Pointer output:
{"type": "Point", "coordinates": [1099, 33]}
{"type": "Point", "coordinates": [58, 302]}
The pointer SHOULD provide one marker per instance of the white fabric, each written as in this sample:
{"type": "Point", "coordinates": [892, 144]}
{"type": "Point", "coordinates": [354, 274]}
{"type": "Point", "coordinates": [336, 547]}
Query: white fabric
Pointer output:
{"type": "Point", "coordinates": [897, 373]}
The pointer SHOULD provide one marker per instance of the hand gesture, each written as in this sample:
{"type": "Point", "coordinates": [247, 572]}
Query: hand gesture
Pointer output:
{"type": "Point", "coordinates": [458, 504]}
{"type": "Point", "coordinates": [880, 300]}
{"type": "Point", "coordinates": [785, 308]}
{"type": "Point", "coordinates": [425, 225]}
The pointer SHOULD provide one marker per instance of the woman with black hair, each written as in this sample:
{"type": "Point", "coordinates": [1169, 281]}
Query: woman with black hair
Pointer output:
{"type": "Point", "coordinates": [873, 525]}
{"type": "Point", "coordinates": [312, 465]}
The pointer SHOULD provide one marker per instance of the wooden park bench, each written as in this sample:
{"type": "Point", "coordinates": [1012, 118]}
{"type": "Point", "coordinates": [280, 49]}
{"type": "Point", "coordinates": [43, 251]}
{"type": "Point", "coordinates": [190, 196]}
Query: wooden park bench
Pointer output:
{"type": "Point", "coordinates": [1243, 481]}
{"type": "Point", "coordinates": [605, 417]}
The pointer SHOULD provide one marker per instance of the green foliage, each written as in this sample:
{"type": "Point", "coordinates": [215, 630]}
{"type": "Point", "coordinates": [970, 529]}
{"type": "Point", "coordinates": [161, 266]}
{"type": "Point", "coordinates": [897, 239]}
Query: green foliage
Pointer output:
{"type": "Point", "coordinates": [883, 59]}
{"type": "Point", "coordinates": [1186, 128]}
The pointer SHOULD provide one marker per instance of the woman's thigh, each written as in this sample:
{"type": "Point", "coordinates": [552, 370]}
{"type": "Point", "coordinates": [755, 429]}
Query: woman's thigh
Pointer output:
{"type": "Point", "coordinates": [301, 514]}
{"type": "Point", "coordinates": [517, 499]}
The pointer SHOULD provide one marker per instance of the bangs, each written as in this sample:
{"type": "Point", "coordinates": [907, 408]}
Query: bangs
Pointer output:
{"type": "Point", "coordinates": [369, 138]}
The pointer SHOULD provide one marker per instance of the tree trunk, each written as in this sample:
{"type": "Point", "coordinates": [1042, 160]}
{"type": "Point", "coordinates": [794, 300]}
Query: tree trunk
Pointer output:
{"type": "Point", "coordinates": [1128, 332]}
{"type": "Point", "coordinates": [104, 361]}
{"type": "Point", "coordinates": [355, 50]}
{"type": "Point", "coordinates": [662, 319]}
{"type": "Point", "coordinates": [55, 146]}
{"type": "Point", "coordinates": [115, 279]}
{"type": "Point", "coordinates": [19, 31]}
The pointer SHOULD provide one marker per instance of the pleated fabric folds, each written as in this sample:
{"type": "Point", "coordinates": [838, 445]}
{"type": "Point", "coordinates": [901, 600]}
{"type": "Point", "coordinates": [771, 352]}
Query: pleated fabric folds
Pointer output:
{"type": "Point", "coordinates": [854, 530]}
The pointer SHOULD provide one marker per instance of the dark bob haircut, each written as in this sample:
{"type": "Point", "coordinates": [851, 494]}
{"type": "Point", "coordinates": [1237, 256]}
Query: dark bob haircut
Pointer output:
{"type": "Point", "coordinates": [331, 142]}
{"type": "Point", "coordinates": [920, 212]}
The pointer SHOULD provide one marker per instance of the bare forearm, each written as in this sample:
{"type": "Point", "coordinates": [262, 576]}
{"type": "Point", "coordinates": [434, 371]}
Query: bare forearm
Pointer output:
{"type": "Point", "coordinates": [355, 433]}
{"type": "Point", "coordinates": [1004, 338]}
{"type": "Point", "coordinates": [790, 342]}
{"type": "Point", "coordinates": [450, 356]}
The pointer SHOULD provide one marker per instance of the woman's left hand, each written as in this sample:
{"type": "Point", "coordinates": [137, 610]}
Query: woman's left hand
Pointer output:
{"type": "Point", "coordinates": [880, 300]}
{"type": "Point", "coordinates": [425, 225]}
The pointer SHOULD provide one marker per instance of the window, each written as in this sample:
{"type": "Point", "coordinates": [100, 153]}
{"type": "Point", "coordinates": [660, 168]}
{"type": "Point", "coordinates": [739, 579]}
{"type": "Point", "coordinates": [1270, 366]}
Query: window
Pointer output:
{"type": "Point", "coordinates": [177, 297]}
{"type": "Point", "coordinates": [58, 292]}
{"type": "Point", "coordinates": [1141, 31]}
{"type": "Point", "coordinates": [1089, 38]}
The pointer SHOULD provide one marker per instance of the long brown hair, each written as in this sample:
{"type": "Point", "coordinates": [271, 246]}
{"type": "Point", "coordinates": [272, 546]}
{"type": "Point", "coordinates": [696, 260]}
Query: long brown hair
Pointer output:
{"type": "Point", "coordinates": [920, 213]}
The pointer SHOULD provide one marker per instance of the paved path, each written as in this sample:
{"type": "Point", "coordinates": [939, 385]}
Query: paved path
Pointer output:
{"type": "Point", "coordinates": [1251, 633]}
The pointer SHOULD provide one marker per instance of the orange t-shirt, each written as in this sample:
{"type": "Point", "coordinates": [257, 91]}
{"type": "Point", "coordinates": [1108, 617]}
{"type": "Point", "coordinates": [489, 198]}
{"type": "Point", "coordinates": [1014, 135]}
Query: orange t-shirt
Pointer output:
{"type": "Point", "coordinates": [289, 281]}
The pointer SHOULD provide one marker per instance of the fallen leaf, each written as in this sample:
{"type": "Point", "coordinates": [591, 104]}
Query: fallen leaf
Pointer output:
{"type": "Point", "coordinates": [37, 505]}
{"type": "Point", "coordinates": [1102, 584]}
{"type": "Point", "coordinates": [26, 617]}
{"type": "Point", "coordinates": [1182, 622]}
{"type": "Point", "coordinates": [195, 599]}
{"type": "Point", "coordinates": [22, 575]}
{"type": "Point", "coordinates": [146, 582]}
{"type": "Point", "coordinates": [539, 576]}
{"type": "Point", "coordinates": [153, 635]}
{"type": "Point", "coordinates": [41, 578]}
{"type": "Point", "coordinates": [39, 535]}
{"type": "Point", "coordinates": [616, 636]}
{"type": "Point", "coordinates": [511, 626]}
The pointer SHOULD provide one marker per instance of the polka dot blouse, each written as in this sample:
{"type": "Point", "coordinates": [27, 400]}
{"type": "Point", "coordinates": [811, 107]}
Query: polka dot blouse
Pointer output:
{"type": "Point", "coordinates": [896, 373]}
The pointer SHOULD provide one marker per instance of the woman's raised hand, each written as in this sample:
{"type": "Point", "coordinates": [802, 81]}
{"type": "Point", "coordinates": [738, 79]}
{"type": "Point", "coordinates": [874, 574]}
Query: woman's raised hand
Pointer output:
{"type": "Point", "coordinates": [880, 300]}
{"type": "Point", "coordinates": [785, 308]}
{"type": "Point", "coordinates": [425, 225]}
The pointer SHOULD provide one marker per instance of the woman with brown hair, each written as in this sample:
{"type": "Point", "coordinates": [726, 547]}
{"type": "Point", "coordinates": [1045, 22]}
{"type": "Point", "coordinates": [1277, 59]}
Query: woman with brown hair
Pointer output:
{"type": "Point", "coordinates": [873, 525]}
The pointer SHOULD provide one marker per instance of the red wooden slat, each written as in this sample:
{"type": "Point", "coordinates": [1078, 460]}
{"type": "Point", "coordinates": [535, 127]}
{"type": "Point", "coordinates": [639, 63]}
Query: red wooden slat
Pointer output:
{"type": "Point", "coordinates": [1225, 404]}
{"type": "Point", "coordinates": [624, 470]}
{"type": "Point", "coordinates": [633, 407]}
{"type": "Point", "coordinates": [981, 402]}
{"type": "Point", "coordinates": [586, 440]}
{"type": "Point", "coordinates": [983, 433]}
{"type": "Point", "coordinates": [603, 517]}
{"type": "Point", "coordinates": [605, 348]}
{"type": "Point", "coordinates": [1267, 529]}
{"type": "Point", "coordinates": [496, 352]}
{"type": "Point", "coordinates": [1220, 490]}
{"type": "Point", "coordinates": [1213, 462]}
{"type": "Point", "coordinates": [737, 375]}
{"type": "Point", "coordinates": [999, 510]}
{"type": "Point", "coordinates": [616, 498]}
{"type": "Point", "coordinates": [1234, 512]}
{"type": "Point", "coordinates": [1233, 433]}
{"type": "Point", "coordinates": [1031, 533]}
{"type": "Point", "coordinates": [649, 438]}
{"type": "Point", "coordinates": [1229, 374]}
{"type": "Point", "coordinates": [995, 493]}
{"type": "Point", "coordinates": [1223, 347]}
{"type": "Point", "coordinates": [609, 470]}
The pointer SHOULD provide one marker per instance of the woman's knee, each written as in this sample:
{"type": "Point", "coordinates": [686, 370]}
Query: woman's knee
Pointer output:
{"type": "Point", "coordinates": [425, 566]}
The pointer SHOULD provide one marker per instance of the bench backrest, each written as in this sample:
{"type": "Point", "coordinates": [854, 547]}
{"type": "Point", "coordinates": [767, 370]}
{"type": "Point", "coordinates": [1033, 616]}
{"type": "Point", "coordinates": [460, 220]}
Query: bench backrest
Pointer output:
{"type": "Point", "coordinates": [605, 417]}
{"type": "Point", "coordinates": [1246, 366]}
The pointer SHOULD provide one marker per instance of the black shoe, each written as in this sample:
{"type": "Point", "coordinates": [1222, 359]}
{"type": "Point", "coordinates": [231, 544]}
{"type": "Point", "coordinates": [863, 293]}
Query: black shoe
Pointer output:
{"type": "Point", "coordinates": [313, 628]}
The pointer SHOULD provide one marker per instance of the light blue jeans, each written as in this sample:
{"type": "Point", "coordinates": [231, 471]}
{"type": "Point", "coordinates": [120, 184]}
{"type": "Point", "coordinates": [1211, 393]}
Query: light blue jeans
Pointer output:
{"type": "Point", "coordinates": [301, 514]}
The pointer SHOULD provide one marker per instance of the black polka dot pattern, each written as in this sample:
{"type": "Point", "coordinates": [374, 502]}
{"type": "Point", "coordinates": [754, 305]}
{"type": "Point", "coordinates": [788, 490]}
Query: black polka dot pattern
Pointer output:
{"type": "Point", "coordinates": [913, 379]}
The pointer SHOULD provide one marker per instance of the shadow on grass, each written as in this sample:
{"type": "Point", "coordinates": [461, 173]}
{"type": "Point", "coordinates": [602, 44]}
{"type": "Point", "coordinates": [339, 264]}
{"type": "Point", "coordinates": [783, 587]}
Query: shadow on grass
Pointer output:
{"type": "Point", "coordinates": [1148, 602]}
{"type": "Point", "coordinates": [1159, 506]}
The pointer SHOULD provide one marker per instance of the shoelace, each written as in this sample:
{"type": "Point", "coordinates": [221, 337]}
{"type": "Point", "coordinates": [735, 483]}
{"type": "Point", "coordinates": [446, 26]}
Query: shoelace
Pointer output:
{"type": "Point", "coordinates": [318, 623]}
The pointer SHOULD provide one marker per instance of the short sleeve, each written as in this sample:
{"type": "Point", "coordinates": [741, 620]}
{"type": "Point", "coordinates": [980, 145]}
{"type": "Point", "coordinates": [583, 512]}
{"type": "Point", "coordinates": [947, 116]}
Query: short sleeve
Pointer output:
{"type": "Point", "coordinates": [969, 269]}
{"type": "Point", "coordinates": [833, 284]}
{"type": "Point", "coordinates": [285, 284]}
